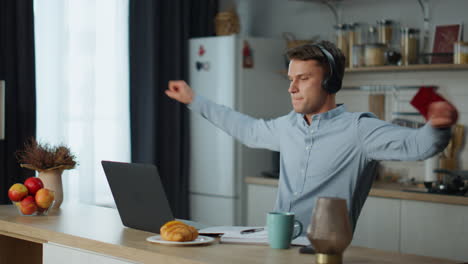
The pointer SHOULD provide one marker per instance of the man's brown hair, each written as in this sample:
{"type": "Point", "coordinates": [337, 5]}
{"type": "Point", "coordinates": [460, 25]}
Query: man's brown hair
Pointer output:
{"type": "Point", "coordinates": [311, 52]}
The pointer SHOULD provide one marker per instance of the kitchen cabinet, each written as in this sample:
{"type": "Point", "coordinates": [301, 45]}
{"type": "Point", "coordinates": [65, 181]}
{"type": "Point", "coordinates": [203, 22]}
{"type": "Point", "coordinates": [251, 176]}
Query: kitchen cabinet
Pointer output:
{"type": "Point", "coordinates": [58, 254]}
{"type": "Point", "coordinates": [19, 251]}
{"type": "Point", "coordinates": [260, 200]}
{"type": "Point", "coordinates": [413, 227]}
{"type": "Point", "coordinates": [379, 224]}
{"type": "Point", "coordinates": [391, 220]}
{"type": "Point", "coordinates": [433, 229]}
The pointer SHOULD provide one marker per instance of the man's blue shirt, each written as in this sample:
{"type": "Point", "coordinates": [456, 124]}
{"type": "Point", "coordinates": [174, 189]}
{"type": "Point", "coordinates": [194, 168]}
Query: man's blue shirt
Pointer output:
{"type": "Point", "coordinates": [334, 156]}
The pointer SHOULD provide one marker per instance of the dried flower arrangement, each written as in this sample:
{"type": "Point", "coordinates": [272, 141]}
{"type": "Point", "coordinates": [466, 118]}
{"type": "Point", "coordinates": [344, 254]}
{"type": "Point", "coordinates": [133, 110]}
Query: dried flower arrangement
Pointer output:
{"type": "Point", "coordinates": [43, 157]}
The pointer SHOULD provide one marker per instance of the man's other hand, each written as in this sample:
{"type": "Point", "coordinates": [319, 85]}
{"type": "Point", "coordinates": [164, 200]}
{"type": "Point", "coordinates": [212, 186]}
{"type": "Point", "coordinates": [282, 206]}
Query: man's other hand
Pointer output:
{"type": "Point", "coordinates": [180, 91]}
{"type": "Point", "coordinates": [442, 114]}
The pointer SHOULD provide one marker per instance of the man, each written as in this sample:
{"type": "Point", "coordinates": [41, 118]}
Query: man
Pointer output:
{"type": "Point", "coordinates": [325, 150]}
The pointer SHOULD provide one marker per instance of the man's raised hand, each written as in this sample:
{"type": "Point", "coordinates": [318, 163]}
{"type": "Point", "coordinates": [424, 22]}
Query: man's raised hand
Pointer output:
{"type": "Point", "coordinates": [180, 91]}
{"type": "Point", "coordinates": [442, 114]}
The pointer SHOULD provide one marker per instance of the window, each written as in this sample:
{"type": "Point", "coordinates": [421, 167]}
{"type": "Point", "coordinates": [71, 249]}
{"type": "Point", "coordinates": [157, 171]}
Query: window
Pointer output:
{"type": "Point", "coordinates": [83, 88]}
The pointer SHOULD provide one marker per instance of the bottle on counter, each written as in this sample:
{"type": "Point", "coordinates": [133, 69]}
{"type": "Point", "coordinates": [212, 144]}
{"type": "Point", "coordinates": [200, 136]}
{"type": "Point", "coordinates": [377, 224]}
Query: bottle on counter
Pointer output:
{"type": "Point", "coordinates": [430, 165]}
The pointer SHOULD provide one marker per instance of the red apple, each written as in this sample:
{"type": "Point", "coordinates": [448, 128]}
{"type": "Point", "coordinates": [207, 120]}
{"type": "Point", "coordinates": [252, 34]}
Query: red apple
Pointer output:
{"type": "Point", "coordinates": [28, 205]}
{"type": "Point", "coordinates": [44, 198]}
{"type": "Point", "coordinates": [33, 184]}
{"type": "Point", "coordinates": [17, 192]}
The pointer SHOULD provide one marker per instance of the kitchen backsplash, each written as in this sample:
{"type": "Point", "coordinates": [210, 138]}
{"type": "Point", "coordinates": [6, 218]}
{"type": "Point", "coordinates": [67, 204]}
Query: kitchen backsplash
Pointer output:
{"type": "Point", "coordinates": [452, 85]}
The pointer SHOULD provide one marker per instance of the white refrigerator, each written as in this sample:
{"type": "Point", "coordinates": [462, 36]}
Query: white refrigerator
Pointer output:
{"type": "Point", "coordinates": [246, 74]}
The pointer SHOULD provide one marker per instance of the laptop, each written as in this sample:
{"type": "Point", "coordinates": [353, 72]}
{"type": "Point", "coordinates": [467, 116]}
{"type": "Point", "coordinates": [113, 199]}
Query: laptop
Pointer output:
{"type": "Point", "coordinates": [139, 195]}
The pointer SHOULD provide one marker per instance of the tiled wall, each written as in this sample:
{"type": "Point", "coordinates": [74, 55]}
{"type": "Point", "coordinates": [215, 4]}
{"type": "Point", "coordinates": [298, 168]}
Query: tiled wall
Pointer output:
{"type": "Point", "coordinates": [453, 85]}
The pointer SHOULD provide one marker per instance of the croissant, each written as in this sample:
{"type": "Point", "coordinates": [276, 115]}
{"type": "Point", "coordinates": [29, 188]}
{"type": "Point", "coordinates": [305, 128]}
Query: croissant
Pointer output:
{"type": "Point", "coordinates": [178, 231]}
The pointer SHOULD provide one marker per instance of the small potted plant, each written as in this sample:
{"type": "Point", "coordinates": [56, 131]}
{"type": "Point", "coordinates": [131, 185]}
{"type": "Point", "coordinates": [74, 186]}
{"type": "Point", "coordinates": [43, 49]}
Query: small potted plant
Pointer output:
{"type": "Point", "coordinates": [50, 162]}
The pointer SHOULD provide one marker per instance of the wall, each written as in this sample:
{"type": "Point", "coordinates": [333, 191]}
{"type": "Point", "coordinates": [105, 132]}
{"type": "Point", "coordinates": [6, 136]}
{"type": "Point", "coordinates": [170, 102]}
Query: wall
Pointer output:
{"type": "Point", "coordinates": [305, 19]}
{"type": "Point", "coordinates": [269, 18]}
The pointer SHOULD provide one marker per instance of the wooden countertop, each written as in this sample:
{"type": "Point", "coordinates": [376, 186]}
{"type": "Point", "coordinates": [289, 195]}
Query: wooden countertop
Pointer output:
{"type": "Point", "coordinates": [386, 190]}
{"type": "Point", "coordinates": [100, 230]}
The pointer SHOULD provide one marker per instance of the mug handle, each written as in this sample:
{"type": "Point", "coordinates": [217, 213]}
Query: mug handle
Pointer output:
{"type": "Point", "coordinates": [300, 229]}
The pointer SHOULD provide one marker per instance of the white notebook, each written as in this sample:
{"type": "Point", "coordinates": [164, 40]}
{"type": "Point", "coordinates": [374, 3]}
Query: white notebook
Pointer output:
{"type": "Point", "coordinates": [232, 234]}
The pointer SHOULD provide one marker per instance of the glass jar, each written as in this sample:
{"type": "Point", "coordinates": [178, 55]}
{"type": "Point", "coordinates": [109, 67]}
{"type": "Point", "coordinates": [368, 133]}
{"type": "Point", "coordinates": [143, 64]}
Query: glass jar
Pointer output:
{"type": "Point", "coordinates": [356, 36]}
{"type": "Point", "coordinates": [385, 31]}
{"type": "Point", "coordinates": [372, 35]}
{"type": "Point", "coordinates": [460, 52]}
{"type": "Point", "coordinates": [357, 57]}
{"type": "Point", "coordinates": [409, 46]}
{"type": "Point", "coordinates": [342, 39]}
{"type": "Point", "coordinates": [374, 54]}
{"type": "Point", "coordinates": [359, 33]}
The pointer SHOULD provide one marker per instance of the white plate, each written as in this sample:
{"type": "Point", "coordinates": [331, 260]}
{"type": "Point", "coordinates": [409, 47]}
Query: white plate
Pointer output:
{"type": "Point", "coordinates": [200, 240]}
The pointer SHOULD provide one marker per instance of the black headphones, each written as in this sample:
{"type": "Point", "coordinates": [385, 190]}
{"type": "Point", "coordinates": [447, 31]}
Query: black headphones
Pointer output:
{"type": "Point", "coordinates": [332, 83]}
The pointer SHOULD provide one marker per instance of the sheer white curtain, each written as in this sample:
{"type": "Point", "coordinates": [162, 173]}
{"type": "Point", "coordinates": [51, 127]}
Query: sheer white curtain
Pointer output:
{"type": "Point", "coordinates": [83, 88]}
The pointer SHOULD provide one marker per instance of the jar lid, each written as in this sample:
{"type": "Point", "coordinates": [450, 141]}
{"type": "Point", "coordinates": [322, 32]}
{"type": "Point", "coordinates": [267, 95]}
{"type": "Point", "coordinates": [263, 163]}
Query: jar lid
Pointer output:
{"type": "Point", "coordinates": [409, 30]}
{"type": "Point", "coordinates": [342, 26]}
{"type": "Point", "coordinates": [386, 22]}
{"type": "Point", "coordinates": [358, 25]}
{"type": "Point", "coordinates": [372, 29]}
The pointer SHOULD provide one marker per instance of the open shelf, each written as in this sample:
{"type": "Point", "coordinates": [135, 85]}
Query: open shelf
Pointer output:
{"type": "Point", "coordinates": [409, 68]}
{"type": "Point", "coordinates": [381, 88]}
{"type": "Point", "coordinates": [416, 67]}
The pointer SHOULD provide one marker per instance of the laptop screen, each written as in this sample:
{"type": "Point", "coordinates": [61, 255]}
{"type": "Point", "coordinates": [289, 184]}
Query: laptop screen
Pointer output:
{"type": "Point", "coordinates": [138, 194]}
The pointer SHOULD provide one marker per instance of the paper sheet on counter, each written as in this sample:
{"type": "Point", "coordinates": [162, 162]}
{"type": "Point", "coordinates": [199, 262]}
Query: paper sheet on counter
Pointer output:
{"type": "Point", "coordinates": [232, 234]}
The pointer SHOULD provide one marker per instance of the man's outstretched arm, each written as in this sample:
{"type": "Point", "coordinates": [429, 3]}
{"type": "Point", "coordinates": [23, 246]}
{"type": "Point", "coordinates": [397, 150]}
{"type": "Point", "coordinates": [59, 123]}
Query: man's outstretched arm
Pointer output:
{"type": "Point", "coordinates": [256, 133]}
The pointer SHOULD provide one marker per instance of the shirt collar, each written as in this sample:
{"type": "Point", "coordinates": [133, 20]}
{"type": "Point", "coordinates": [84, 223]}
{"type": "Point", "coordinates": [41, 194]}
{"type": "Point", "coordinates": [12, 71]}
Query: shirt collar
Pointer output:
{"type": "Point", "coordinates": [339, 109]}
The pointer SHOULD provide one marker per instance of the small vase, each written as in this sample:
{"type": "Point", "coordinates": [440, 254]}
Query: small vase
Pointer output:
{"type": "Point", "coordinates": [52, 180]}
{"type": "Point", "coordinates": [330, 231]}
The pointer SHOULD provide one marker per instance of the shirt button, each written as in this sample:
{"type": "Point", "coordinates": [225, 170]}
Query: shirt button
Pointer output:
{"type": "Point", "coordinates": [295, 193]}
{"type": "Point", "coordinates": [311, 131]}
{"type": "Point", "coordinates": [308, 147]}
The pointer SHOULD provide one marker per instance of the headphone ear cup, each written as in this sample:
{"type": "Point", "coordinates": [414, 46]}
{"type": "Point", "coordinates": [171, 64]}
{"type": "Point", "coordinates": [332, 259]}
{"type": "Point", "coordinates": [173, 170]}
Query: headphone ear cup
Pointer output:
{"type": "Point", "coordinates": [325, 85]}
{"type": "Point", "coordinates": [335, 85]}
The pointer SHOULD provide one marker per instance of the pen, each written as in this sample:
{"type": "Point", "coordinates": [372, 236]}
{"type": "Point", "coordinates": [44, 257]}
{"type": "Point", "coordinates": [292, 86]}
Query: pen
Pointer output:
{"type": "Point", "coordinates": [248, 231]}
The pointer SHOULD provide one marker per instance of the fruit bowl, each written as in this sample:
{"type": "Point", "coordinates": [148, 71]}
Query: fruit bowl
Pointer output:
{"type": "Point", "coordinates": [31, 198]}
{"type": "Point", "coordinates": [38, 211]}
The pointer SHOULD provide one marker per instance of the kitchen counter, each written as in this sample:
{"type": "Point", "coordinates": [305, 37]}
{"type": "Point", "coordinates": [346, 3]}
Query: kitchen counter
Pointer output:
{"type": "Point", "coordinates": [99, 230]}
{"type": "Point", "coordinates": [386, 190]}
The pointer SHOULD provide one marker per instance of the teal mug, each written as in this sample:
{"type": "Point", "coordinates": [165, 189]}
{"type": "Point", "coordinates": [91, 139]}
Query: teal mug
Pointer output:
{"type": "Point", "coordinates": [282, 229]}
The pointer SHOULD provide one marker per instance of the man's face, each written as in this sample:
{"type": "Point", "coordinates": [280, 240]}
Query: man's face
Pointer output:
{"type": "Point", "coordinates": [307, 95]}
